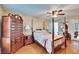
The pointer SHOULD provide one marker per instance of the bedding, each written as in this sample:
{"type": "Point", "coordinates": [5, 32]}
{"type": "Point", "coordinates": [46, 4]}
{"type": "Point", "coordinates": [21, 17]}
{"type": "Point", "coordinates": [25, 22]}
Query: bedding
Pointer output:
{"type": "Point", "coordinates": [45, 39]}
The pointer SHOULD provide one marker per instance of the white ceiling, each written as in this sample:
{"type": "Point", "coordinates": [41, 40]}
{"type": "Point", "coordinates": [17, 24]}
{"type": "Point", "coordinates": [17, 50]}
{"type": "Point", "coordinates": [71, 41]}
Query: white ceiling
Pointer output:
{"type": "Point", "coordinates": [42, 9]}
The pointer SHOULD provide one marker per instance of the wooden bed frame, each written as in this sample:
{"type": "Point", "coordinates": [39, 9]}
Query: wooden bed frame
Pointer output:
{"type": "Point", "coordinates": [53, 36]}
{"type": "Point", "coordinates": [62, 44]}
{"type": "Point", "coordinates": [53, 47]}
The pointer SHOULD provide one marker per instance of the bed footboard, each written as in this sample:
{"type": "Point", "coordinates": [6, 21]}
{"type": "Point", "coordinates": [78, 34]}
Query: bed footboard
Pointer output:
{"type": "Point", "coordinates": [58, 43]}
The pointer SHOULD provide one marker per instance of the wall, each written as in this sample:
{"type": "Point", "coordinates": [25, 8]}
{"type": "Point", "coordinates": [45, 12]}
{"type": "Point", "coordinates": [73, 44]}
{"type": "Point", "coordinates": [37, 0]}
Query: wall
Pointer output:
{"type": "Point", "coordinates": [71, 25]}
{"type": "Point", "coordinates": [38, 23]}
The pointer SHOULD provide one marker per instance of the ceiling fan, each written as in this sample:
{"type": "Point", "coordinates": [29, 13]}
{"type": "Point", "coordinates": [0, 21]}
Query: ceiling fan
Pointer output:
{"type": "Point", "coordinates": [56, 12]}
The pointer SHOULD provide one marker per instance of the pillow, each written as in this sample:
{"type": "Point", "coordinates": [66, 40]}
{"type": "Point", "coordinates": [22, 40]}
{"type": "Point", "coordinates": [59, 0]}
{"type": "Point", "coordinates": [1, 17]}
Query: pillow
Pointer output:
{"type": "Point", "coordinates": [39, 29]}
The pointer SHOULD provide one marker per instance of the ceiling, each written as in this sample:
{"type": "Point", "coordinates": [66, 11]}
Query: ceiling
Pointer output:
{"type": "Point", "coordinates": [71, 10]}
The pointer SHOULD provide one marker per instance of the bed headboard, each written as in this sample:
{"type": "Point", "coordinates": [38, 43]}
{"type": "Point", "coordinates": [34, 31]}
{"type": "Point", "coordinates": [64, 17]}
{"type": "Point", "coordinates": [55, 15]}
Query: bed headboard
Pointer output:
{"type": "Point", "coordinates": [39, 29]}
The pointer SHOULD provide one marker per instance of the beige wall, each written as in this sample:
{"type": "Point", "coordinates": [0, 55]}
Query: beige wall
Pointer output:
{"type": "Point", "coordinates": [38, 23]}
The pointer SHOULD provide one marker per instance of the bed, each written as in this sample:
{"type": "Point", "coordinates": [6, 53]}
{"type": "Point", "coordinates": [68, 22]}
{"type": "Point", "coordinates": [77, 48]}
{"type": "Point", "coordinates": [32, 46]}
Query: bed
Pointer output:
{"type": "Point", "coordinates": [44, 38]}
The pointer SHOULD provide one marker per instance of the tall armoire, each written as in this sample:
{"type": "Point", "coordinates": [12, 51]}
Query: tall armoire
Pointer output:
{"type": "Point", "coordinates": [12, 33]}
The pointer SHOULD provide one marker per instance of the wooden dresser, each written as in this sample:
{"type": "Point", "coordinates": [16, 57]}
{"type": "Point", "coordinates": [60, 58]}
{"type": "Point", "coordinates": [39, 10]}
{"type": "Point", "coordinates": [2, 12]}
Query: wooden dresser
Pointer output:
{"type": "Point", "coordinates": [12, 33]}
{"type": "Point", "coordinates": [28, 40]}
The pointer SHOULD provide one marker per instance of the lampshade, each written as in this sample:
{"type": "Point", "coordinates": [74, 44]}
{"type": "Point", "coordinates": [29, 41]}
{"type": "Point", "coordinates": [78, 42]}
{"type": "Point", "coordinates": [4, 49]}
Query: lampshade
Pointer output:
{"type": "Point", "coordinates": [27, 30]}
{"type": "Point", "coordinates": [27, 27]}
{"type": "Point", "coordinates": [54, 16]}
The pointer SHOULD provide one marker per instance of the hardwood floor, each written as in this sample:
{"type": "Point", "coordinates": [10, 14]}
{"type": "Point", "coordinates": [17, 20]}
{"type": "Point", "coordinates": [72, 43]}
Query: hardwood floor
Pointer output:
{"type": "Point", "coordinates": [72, 48]}
{"type": "Point", "coordinates": [32, 49]}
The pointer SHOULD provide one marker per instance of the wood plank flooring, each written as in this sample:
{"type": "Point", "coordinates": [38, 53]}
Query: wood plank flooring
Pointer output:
{"type": "Point", "coordinates": [32, 49]}
{"type": "Point", "coordinates": [72, 48]}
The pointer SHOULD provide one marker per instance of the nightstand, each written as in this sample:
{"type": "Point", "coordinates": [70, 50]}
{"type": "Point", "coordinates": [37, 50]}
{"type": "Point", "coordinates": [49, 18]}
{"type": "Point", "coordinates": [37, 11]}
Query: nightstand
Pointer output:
{"type": "Point", "coordinates": [28, 40]}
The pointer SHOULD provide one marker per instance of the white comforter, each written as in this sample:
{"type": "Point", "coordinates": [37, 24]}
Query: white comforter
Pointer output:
{"type": "Point", "coordinates": [45, 39]}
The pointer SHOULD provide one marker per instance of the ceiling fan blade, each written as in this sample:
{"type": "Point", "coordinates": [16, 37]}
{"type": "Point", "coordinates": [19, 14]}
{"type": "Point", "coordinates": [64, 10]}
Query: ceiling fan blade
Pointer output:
{"type": "Point", "coordinates": [60, 10]}
{"type": "Point", "coordinates": [61, 14]}
{"type": "Point", "coordinates": [55, 11]}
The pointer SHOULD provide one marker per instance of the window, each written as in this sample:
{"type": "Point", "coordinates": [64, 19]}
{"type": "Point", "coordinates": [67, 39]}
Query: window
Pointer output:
{"type": "Point", "coordinates": [56, 28]}
{"type": "Point", "coordinates": [76, 26]}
